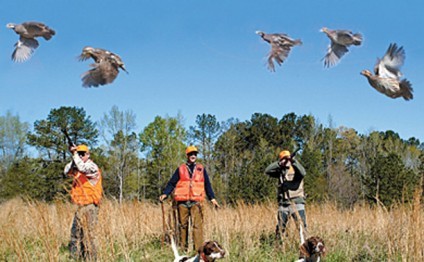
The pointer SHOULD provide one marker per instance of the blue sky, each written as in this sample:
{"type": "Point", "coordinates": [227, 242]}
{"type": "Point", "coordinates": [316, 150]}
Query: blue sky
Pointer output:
{"type": "Point", "coordinates": [193, 57]}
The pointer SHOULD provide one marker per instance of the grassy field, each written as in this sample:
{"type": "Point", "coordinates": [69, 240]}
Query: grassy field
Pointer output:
{"type": "Point", "coordinates": [35, 231]}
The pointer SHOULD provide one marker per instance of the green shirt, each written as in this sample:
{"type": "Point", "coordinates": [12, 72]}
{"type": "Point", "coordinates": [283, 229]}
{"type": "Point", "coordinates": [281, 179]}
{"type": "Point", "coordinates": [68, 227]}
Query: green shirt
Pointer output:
{"type": "Point", "coordinates": [290, 184]}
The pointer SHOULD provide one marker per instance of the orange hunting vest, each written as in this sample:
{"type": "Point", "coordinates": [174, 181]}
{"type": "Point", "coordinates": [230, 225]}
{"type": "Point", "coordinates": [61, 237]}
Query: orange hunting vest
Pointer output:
{"type": "Point", "coordinates": [190, 189]}
{"type": "Point", "coordinates": [83, 192]}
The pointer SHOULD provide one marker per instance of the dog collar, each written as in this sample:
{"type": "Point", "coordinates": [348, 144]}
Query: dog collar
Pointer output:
{"type": "Point", "coordinates": [204, 258]}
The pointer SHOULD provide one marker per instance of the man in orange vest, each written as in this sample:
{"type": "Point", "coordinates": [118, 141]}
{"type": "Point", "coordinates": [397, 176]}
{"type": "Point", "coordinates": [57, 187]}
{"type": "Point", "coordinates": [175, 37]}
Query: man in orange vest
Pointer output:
{"type": "Point", "coordinates": [190, 183]}
{"type": "Point", "coordinates": [86, 193]}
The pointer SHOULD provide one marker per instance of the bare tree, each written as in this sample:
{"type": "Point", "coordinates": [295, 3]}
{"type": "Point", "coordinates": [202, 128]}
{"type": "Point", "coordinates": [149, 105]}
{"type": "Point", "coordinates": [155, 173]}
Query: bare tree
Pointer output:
{"type": "Point", "coordinates": [117, 129]}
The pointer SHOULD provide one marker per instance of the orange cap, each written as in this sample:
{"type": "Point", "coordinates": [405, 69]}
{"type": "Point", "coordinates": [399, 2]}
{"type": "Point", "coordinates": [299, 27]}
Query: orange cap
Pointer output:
{"type": "Point", "coordinates": [82, 148]}
{"type": "Point", "coordinates": [283, 154]}
{"type": "Point", "coordinates": [191, 149]}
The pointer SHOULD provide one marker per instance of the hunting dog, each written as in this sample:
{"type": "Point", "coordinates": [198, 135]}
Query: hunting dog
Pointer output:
{"type": "Point", "coordinates": [312, 249]}
{"type": "Point", "coordinates": [208, 252]}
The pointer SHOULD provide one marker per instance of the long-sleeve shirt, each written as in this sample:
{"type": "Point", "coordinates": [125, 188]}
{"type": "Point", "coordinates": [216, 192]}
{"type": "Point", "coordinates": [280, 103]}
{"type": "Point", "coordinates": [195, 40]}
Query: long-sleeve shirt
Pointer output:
{"type": "Point", "coordinates": [89, 168]}
{"type": "Point", "coordinates": [290, 185]}
{"type": "Point", "coordinates": [172, 183]}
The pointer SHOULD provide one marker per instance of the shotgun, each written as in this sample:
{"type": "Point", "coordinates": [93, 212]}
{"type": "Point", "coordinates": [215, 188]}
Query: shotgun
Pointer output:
{"type": "Point", "coordinates": [295, 152]}
{"type": "Point", "coordinates": [163, 224]}
{"type": "Point", "coordinates": [70, 143]}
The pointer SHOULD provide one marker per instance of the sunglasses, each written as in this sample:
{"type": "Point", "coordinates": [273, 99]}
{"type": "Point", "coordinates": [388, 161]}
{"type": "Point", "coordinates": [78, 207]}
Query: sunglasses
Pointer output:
{"type": "Point", "coordinates": [81, 153]}
{"type": "Point", "coordinates": [193, 153]}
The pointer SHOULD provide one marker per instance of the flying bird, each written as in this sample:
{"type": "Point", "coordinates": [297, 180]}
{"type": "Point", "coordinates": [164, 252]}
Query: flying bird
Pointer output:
{"type": "Point", "coordinates": [281, 45]}
{"type": "Point", "coordinates": [105, 68]}
{"type": "Point", "coordinates": [340, 41]}
{"type": "Point", "coordinates": [27, 43]}
{"type": "Point", "coordinates": [387, 74]}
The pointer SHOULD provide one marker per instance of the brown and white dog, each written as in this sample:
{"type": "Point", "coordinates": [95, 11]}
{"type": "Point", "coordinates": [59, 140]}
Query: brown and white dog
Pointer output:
{"type": "Point", "coordinates": [209, 252]}
{"type": "Point", "coordinates": [312, 249]}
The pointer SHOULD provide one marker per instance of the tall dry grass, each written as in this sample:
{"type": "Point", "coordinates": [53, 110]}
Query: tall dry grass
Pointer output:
{"type": "Point", "coordinates": [36, 231]}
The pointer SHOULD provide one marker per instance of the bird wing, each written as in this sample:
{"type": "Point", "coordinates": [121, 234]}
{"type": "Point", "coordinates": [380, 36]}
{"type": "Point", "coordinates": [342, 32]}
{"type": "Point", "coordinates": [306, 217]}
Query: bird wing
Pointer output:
{"type": "Point", "coordinates": [334, 54]}
{"type": "Point", "coordinates": [110, 72]}
{"type": "Point", "coordinates": [389, 66]}
{"type": "Point", "coordinates": [24, 49]}
{"type": "Point", "coordinates": [97, 54]}
{"type": "Point", "coordinates": [271, 66]}
{"type": "Point", "coordinates": [93, 77]}
{"type": "Point", "coordinates": [280, 48]}
{"type": "Point", "coordinates": [284, 40]}
{"type": "Point", "coordinates": [344, 37]}
{"type": "Point", "coordinates": [102, 73]}
{"type": "Point", "coordinates": [280, 38]}
{"type": "Point", "coordinates": [278, 53]}
{"type": "Point", "coordinates": [34, 28]}
{"type": "Point", "coordinates": [347, 38]}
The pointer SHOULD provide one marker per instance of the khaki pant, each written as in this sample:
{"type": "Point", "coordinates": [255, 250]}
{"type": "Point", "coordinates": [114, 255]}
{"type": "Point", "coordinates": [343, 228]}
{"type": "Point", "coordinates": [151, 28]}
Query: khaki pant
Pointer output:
{"type": "Point", "coordinates": [185, 211]}
{"type": "Point", "coordinates": [83, 241]}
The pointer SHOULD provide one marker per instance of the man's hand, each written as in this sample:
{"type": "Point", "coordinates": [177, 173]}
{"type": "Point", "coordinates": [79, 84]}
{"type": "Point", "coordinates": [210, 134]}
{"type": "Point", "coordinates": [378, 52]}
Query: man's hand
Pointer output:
{"type": "Point", "coordinates": [215, 203]}
{"type": "Point", "coordinates": [162, 197]}
{"type": "Point", "coordinates": [73, 149]}
{"type": "Point", "coordinates": [284, 163]}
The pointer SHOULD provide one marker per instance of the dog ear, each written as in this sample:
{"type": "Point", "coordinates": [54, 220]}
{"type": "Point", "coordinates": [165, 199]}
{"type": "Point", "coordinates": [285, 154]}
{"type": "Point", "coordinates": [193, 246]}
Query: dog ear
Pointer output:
{"type": "Point", "coordinates": [312, 243]}
{"type": "Point", "coordinates": [304, 250]}
{"type": "Point", "coordinates": [206, 248]}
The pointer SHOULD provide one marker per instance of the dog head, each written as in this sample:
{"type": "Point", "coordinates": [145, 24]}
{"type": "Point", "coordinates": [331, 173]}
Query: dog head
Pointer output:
{"type": "Point", "coordinates": [313, 248]}
{"type": "Point", "coordinates": [211, 250]}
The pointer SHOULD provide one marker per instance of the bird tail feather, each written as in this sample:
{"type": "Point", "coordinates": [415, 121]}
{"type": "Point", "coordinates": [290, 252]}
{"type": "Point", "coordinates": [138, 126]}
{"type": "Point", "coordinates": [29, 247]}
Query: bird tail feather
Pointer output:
{"type": "Point", "coordinates": [406, 89]}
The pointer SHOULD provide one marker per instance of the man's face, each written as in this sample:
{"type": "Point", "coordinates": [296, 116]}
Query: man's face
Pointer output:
{"type": "Point", "coordinates": [191, 157]}
{"type": "Point", "coordinates": [84, 155]}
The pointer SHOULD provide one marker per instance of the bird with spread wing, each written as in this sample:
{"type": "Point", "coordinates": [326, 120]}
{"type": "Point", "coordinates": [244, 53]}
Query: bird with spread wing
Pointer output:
{"type": "Point", "coordinates": [105, 68]}
{"type": "Point", "coordinates": [27, 43]}
{"type": "Point", "coordinates": [340, 41]}
{"type": "Point", "coordinates": [386, 78]}
{"type": "Point", "coordinates": [281, 45]}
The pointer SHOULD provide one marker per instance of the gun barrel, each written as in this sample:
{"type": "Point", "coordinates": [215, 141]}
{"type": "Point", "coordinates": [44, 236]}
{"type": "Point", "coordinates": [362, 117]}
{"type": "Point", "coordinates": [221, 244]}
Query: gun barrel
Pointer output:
{"type": "Point", "coordinates": [68, 138]}
{"type": "Point", "coordinates": [295, 152]}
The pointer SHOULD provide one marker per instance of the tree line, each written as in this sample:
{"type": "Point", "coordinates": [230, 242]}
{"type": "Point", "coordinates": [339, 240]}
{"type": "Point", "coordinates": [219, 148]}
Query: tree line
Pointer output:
{"type": "Point", "coordinates": [342, 165]}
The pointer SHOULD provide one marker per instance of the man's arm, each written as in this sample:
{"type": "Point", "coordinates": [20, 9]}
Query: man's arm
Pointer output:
{"type": "Point", "coordinates": [209, 191]}
{"type": "Point", "coordinates": [89, 168]}
{"type": "Point", "coordinates": [67, 168]}
{"type": "Point", "coordinates": [298, 168]}
{"type": "Point", "coordinates": [208, 186]}
{"type": "Point", "coordinates": [172, 183]}
{"type": "Point", "coordinates": [273, 170]}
